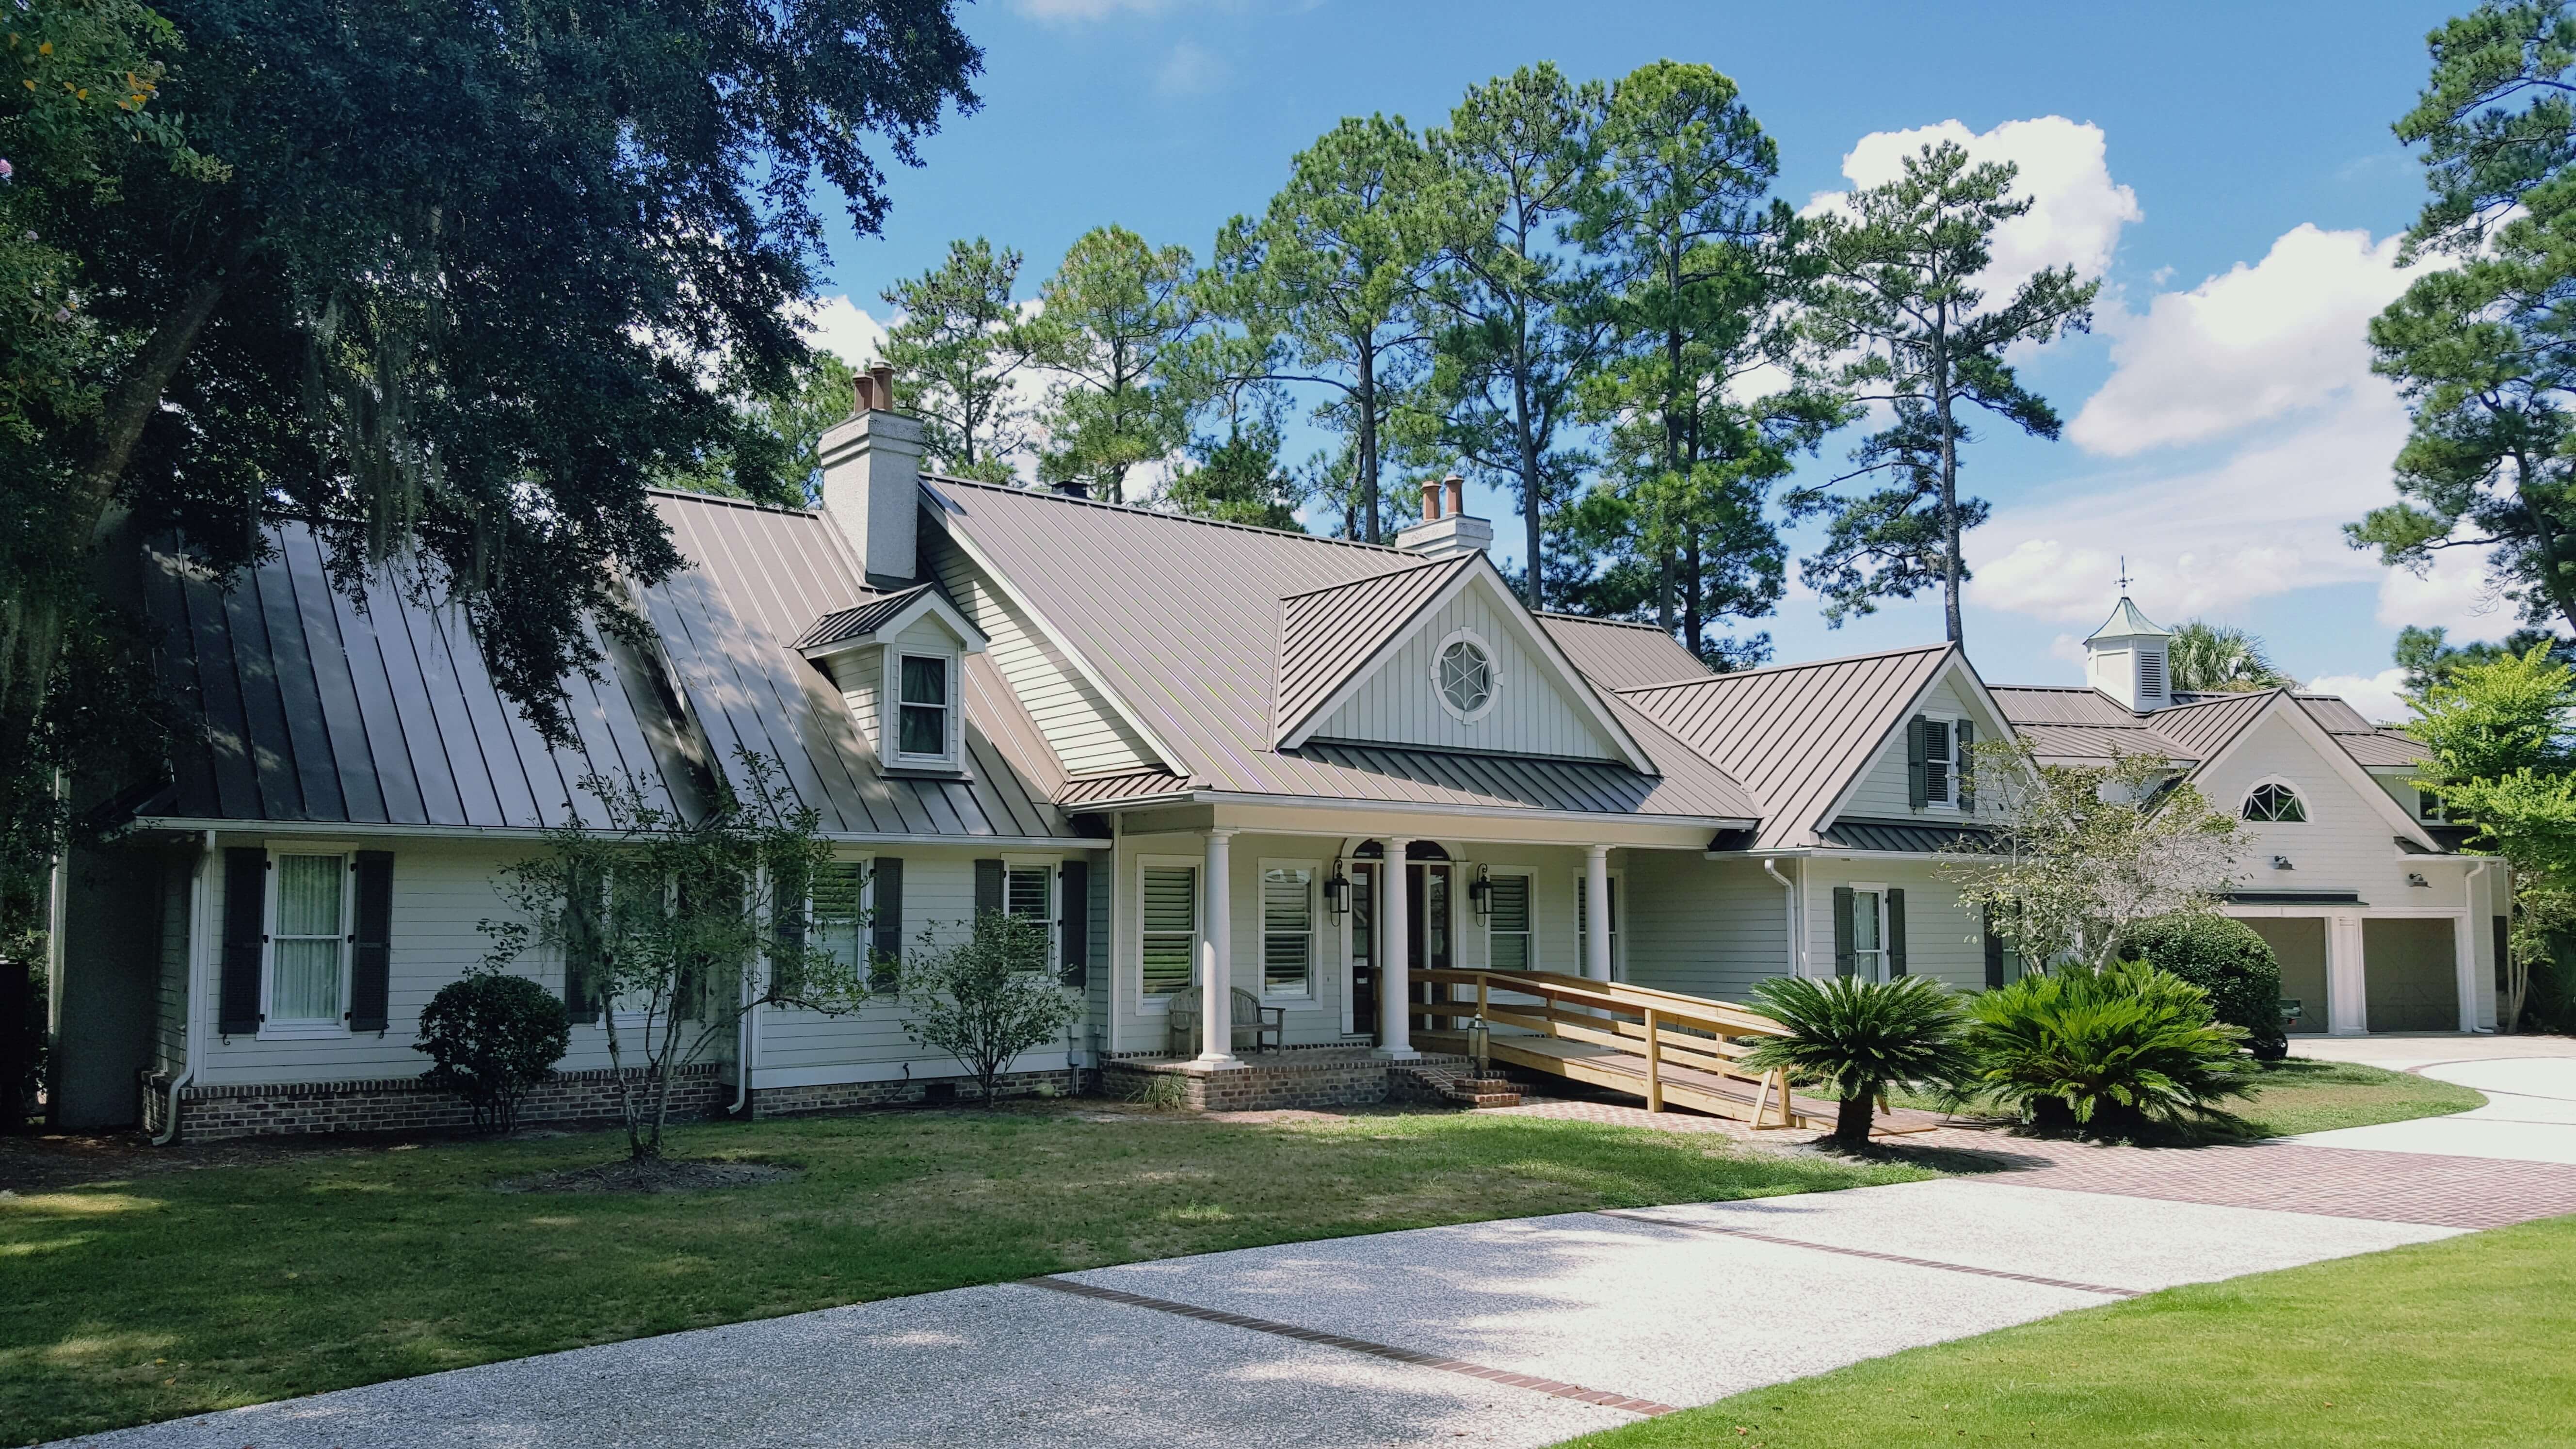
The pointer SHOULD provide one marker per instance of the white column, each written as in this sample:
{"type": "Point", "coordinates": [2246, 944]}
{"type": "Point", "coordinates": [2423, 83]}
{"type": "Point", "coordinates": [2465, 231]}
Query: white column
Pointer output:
{"type": "Point", "coordinates": [1216, 953]}
{"type": "Point", "coordinates": [1395, 970]}
{"type": "Point", "coordinates": [2347, 985]}
{"type": "Point", "coordinates": [2464, 961]}
{"type": "Point", "coordinates": [1596, 912]}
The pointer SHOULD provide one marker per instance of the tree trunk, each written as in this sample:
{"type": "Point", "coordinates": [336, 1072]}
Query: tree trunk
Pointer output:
{"type": "Point", "coordinates": [1694, 622]}
{"type": "Point", "coordinates": [1852, 1117]}
{"type": "Point", "coordinates": [1949, 502]}
{"type": "Point", "coordinates": [1531, 492]}
{"type": "Point", "coordinates": [1366, 398]}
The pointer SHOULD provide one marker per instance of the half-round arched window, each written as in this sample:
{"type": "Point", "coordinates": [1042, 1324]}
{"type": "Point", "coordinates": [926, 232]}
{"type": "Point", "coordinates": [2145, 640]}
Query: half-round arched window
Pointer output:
{"type": "Point", "coordinates": [2274, 802]}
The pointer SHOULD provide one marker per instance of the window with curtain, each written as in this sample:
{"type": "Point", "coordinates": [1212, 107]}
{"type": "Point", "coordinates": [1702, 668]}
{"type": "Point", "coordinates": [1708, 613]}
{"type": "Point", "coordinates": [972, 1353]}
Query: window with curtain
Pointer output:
{"type": "Point", "coordinates": [1287, 930]}
{"type": "Point", "coordinates": [1507, 921]}
{"type": "Point", "coordinates": [1171, 927]}
{"type": "Point", "coordinates": [308, 945]}
{"type": "Point", "coordinates": [922, 728]}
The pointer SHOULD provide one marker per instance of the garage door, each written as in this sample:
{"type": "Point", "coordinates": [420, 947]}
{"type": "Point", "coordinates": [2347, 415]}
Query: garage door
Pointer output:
{"type": "Point", "coordinates": [2300, 942]}
{"type": "Point", "coordinates": [2411, 974]}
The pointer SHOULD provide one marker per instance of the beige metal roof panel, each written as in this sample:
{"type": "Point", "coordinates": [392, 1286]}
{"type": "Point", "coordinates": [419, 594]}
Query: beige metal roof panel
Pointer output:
{"type": "Point", "coordinates": [2336, 714]}
{"type": "Point", "coordinates": [2201, 731]}
{"type": "Point", "coordinates": [1617, 654]}
{"type": "Point", "coordinates": [1182, 618]}
{"type": "Point", "coordinates": [1328, 634]}
{"type": "Point", "coordinates": [858, 619]}
{"type": "Point", "coordinates": [2057, 744]}
{"type": "Point", "coordinates": [1794, 734]}
{"type": "Point", "coordinates": [2068, 704]}
{"type": "Point", "coordinates": [2384, 750]}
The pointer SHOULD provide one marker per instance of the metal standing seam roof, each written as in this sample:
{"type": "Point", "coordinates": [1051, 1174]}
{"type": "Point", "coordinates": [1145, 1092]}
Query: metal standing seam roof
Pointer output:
{"type": "Point", "coordinates": [2384, 750]}
{"type": "Point", "coordinates": [1795, 734]}
{"type": "Point", "coordinates": [1911, 837]}
{"type": "Point", "coordinates": [1328, 634]}
{"type": "Point", "coordinates": [1182, 619]}
{"type": "Point", "coordinates": [858, 619]}
{"type": "Point", "coordinates": [1618, 654]}
{"type": "Point", "coordinates": [2202, 732]}
{"type": "Point", "coordinates": [299, 704]}
{"type": "Point", "coordinates": [2078, 724]}
{"type": "Point", "coordinates": [763, 576]}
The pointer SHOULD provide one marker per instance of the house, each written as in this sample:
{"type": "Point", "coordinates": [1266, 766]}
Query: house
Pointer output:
{"type": "Point", "coordinates": [1000, 699]}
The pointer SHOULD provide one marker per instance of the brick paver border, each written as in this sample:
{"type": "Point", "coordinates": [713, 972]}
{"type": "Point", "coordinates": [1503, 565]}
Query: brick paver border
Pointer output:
{"type": "Point", "coordinates": [1646, 1408]}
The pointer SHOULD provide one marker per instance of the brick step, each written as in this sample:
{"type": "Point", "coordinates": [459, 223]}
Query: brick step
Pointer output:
{"type": "Point", "coordinates": [1485, 1099]}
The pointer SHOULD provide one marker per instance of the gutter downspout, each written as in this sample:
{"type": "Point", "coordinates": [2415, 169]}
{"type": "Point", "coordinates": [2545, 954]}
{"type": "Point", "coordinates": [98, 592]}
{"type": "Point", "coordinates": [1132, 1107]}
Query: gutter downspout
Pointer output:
{"type": "Point", "coordinates": [1789, 900]}
{"type": "Point", "coordinates": [194, 1031]}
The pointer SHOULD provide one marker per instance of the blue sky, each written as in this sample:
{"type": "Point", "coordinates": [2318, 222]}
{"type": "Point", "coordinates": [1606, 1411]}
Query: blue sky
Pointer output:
{"type": "Point", "coordinates": [2228, 171]}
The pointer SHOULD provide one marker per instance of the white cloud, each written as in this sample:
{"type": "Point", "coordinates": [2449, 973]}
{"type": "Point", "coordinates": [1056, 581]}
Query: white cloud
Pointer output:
{"type": "Point", "coordinates": [841, 326]}
{"type": "Point", "coordinates": [2455, 594]}
{"type": "Point", "coordinates": [2254, 343]}
{"type": "Point", "coordinates": [2267, 520]}
{"type": "Point", "coordinates": [1190, 70]}
{"type": "Point", "coordinates": [2377, 696]}
{"type": "Point", "coordinates": [2077, 209]}
{"type": "Point", "coordinates": [2069, 648]}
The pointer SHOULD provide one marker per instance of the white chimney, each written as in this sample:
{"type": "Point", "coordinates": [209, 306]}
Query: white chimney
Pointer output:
{"type": "Point", "coordinates": [2127, 659]}
{"type": "Point", "coordinates": [1445, 530]}
{"type": "Point", "coordinates": [872, 482]}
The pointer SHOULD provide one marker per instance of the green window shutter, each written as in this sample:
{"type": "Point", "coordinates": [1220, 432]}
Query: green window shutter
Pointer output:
{"type": "Point", "coordinates": [1073, 895]}
{"type": "Point", "coordinates": [1895, 933]}
{"type": "Point", "coordinates": [245, 938]}
{"type": "Point", "coordinates": [988, 888]}
{"type": "Point", "coordinates": [1918, 751]}
{"type": "Point", "coordinates": [789, 890]}
{"type": "Point", "coordinates": [581, 932]}
{"type": "Point", "coordinates": [1967, 787]}
{"type": "Point", "coordinates": [1994, 948]}
{"type": "Point", "coordinates": [885, 916]}
{"type": "Point", "coordinates": [372, 958]}
{"type": "Point", "coordinates": [1844, 961]}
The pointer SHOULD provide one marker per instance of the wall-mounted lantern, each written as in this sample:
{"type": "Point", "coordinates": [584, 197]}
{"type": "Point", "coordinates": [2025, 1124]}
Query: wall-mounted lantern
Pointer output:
{"type": "Point", "coordinates": [2416, 879]}
{"type": "Point", "coordinates": [1480, 893]}
{"type": "Point", "coordinates": [2281, 862]}
{"type": "Point", "coordinates": [1337, 890]}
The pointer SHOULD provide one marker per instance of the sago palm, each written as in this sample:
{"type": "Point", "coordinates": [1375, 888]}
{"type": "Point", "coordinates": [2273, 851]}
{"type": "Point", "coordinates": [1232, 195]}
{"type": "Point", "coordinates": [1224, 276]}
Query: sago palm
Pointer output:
{"type": "Point", "coordinates": [1851, 1038]}
{"type": "Point", "coordinates": [2105, 1049]}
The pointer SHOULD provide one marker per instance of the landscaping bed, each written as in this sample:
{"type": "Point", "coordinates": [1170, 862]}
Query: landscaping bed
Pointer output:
{"type": "Point", "coordinates": [2462, 1342]}
{"type": "Point", "coordinates": [140, 1295]}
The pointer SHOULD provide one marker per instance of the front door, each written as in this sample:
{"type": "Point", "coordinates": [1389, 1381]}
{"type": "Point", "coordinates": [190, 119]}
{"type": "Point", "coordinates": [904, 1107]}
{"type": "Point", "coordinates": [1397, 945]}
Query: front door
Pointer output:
{"type": "Point", "coordinates": [1426, 900]}
{"type": "Point", "coordinates": [1428, 935]}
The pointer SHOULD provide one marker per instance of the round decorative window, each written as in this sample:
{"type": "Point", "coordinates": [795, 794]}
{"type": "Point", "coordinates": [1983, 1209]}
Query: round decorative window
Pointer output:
{"type": "Point", "coordinates": [1464, 674]}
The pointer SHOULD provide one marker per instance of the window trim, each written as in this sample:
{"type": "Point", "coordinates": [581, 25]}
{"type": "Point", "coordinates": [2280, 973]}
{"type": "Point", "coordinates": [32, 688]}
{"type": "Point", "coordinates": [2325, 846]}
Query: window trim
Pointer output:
{"type": "Point", "coordinates": [1876, 890]}
{"type": "Point", "coordinates": [317, 1028]}
{"type": "Point", "coordinates": [1949, 761]}
{"type": "Point", "coordinates": [1147, 1003]}
{"type": "Point", "coordinates": [1618, 923]}
{"type": "Point", "coordinates": [892, 705]}
{"type": "Point", "coordinates": [1493, 675]}
{"type": "Point", "coordinates": [1529, 879]}
{"type": "Point", "coordinates": [2287, 787]}
{"type": "Point", "coordinates": [867, 865]}
{"type": "Point", "coordinates": [1048, 868]}
{"type": "Point", "coordinates": [1312, 996]}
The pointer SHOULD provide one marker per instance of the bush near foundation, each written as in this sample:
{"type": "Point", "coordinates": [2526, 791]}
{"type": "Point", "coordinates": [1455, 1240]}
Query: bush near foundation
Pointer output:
{"type": "Point", "coordinates": [492, 1037]}
{"type": "Point", "coordinates": [2229, 961]}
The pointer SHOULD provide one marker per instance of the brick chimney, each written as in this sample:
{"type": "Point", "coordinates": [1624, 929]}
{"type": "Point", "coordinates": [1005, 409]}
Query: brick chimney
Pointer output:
{"type": "Point", "coordinates": [1445, 530]}
{"type": "Point", "coordinates": [872, 481]}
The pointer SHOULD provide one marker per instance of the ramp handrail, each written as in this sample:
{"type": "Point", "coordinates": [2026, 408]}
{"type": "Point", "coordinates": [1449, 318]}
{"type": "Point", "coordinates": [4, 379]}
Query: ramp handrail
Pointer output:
{"type": "Point", "coordinates": [1664, 1026]}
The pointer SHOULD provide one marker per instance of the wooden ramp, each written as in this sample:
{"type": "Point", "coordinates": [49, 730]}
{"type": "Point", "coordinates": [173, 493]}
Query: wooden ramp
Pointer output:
{"type": "Point", "coordinates": [1671, 1049]}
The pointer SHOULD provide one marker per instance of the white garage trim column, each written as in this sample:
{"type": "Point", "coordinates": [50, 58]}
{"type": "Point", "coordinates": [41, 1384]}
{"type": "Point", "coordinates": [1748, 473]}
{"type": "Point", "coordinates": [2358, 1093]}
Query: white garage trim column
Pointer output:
{"type": "Point", "coordinates": [2347, 986]}
{"type": "Point", "coordinates": [1395, 970]}
{"type": "Point", "coordinates": [1596, 906]}
{"type": "Point", "coordinates": [2464, 956]}
{"type": "Point", "coordinates": [1216, 954]}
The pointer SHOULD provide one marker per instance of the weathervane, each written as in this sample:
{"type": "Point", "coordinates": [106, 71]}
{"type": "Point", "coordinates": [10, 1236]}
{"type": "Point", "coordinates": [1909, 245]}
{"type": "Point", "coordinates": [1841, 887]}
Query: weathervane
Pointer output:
{"type": "Point", "coordinates": [2124, 573]}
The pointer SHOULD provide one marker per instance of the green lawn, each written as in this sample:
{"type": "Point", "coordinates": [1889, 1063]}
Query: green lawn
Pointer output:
{"type": "Point", "coordinates": [172, 1292]}
{"type": "Point", "coordinates": [2299, 1095]}
{"type": "Point", "coordinates": [2454, 1343]}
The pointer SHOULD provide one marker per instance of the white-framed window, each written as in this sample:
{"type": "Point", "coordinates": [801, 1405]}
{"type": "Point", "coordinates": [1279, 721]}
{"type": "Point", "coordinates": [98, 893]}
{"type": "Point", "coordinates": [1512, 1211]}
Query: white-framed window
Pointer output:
{"type": "Point", "coordinates": [2275, 802]}
{"type": "Point", "coordinates": [1511, 921]}
{"type": "Point", "coordinates": [1028, 890]}
{"type": "Point", "coordinates": [310, 906]}
{"type": "Point", "coordinates": [1583, 926]}
{"type": "Point", "coordinates": [924, 714]}
{"type": "Point", "coordinates": [1167, 917]}
{"type": "Point", "coordinates": [1466, 676]}
{"type": "Point", "coordinates": [1288, 928]}
{"type": "Point", "coordinates": [838, 912]}
{"type": "Point", "coordinates": [1869, 930]}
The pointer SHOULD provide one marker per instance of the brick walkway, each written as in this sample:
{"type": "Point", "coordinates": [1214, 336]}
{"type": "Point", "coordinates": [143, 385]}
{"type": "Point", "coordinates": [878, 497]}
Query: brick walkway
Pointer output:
{"type": "Point", "coordinates": [2395, 1187]}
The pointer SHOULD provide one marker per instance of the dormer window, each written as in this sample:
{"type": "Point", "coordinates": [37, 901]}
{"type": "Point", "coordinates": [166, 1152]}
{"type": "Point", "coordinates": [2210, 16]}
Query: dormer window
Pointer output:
{"type": "Point", "coordinates": [1936, 762]}
{"type": "Point", "coordinates": [926, 709]}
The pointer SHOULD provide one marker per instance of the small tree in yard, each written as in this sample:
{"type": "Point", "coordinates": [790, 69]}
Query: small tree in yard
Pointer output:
{"type": "Point", "coordinates": [1853, 1037]}
{"type": "Point", "coordinates": [665, 924]}
{"type": "Point", "coordinates": [2080, 855]}
{"type": "Point", "coordinates": [492, 1037]}
{"type": "Point", "coordinates": [986, 999]}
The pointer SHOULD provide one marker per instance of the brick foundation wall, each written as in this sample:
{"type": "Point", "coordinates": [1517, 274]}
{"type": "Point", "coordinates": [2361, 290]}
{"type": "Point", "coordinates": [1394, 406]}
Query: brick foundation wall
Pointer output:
{"type": "Point", "coordinates": [1267, 1084]}
{"type": "Point", "coordinates": [402, 1104]}
{"type": "Point", "coordinates": [837, 1096]}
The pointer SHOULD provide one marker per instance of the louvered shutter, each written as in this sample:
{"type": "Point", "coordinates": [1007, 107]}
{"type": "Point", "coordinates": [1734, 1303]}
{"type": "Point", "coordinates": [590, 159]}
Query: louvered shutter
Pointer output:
{"type": "Point", "coordinates": [988, 888]}
{"type": "Point", "coordinates": [1918, 753]}
{"type": "Point", "coordinates": [1967, 769]}
{"type": "Point", "coordinates": [788, 890]}
{"type": "Point", "coordinates": [885, 916]}
{"type": "Point", "coordinates": [1073, 896]}
{"type": "Point", "coordinates": [1994, 949]}
{"type": "Point", "coordinates": [245, 938]}
{"type": "Point", "coordinates": [1895, 933]}
{"type": "Point", "coordinates": [372, 955]}
{"type": "Point", "coordinates": [1845, 962]}
{"type": "Point", "coordinates": [581, 933]}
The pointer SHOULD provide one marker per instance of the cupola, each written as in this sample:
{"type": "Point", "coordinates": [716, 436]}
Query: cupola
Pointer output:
{"type": "Point", "coordinates": [2125, 659]}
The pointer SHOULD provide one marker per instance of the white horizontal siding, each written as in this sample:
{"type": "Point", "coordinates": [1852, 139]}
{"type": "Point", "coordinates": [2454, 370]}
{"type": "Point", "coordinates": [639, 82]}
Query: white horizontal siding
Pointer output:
{"type": "Point", "coordinates": [1708, 928]}
{"type": "Point", "coordinates": [1533, 714]}
{"type": "Point", "coordinates": [860, 676]}
{"type": "Point", "coordinates": [1078, 723]}
{"type": "Point", "coordinates": [1883, 792]}
{"type": "Point", "coordinates": [170, 992]}
{"type": "Point", "coordinates": [1943, 937]}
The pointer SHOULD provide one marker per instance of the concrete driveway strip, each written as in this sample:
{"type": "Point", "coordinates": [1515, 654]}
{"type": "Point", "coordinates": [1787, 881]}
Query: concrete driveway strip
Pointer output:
{"type": "Point", "coordinates": [1000, 1367]}
{"type": "Point", "coordinates": [2529, 1116]}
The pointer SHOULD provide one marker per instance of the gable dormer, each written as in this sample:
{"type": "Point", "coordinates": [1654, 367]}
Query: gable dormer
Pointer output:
{"type": "Point", "coordinates": [2127, 659]}
{"type": "Point", "coordinates": [899, 660]}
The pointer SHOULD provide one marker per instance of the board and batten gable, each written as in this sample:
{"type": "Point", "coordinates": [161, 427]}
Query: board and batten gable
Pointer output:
{"type": "Point", "coordinates": [1532, 713]}
{"type": "Point", "coordinates": [1882, 793]}
{"type": "Point", "coordinates": [1080, 725]}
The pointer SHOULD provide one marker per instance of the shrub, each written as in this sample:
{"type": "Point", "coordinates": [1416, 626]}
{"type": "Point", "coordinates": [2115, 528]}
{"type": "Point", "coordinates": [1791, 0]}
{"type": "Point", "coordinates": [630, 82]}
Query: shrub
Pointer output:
{"type": "Point", "coordinates": [1851, 1038]}
{"type": "Point", "coordinates": [2107, 1049]}
{"type": "Point", "coordinates": [2229, 961]}
{"type": "Point", "coordinates": [492, 1037]}
{"type": "Point", "coordinates": [988, 998]}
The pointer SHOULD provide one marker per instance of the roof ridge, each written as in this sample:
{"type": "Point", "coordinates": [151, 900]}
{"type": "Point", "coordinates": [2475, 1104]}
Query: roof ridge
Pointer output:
{"type": "Point", "coordinates": [1378, 578]}
{"type": "Point", "coordinates": [1785, 668]}
{"type": "Point", "coordinates": [729, 501]}
{"type": "Point", "coordinates": [1051, 496]}
{"type": "Point", "coordinates": [1597, 619]}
